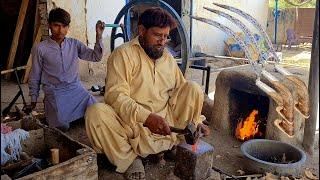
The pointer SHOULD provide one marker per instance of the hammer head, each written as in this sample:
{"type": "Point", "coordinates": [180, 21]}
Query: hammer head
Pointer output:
{"type": "Point", "coordinates": [192, 134]}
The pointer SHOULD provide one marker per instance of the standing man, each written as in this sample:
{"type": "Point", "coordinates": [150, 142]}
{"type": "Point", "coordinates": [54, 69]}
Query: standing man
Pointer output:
{"type": "Point", "coordinates": [145, 94]}
{"type": "Point", "coordinates": [55, 65]}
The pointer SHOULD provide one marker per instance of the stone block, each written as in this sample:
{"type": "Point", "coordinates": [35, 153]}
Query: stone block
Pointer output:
{"type": "Point", "coordinates": [194, 164]}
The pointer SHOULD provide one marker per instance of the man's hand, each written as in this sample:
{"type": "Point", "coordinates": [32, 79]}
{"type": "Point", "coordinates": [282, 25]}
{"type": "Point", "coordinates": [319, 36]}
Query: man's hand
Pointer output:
{"type": "Point", "coordinates": [28, 108]}
{"type": "Point", "coordinates": [204, 129]}
{"type": "Point", "coordinates": [157, 124]}
{"type": "Point", "coordinates": [99, 29]}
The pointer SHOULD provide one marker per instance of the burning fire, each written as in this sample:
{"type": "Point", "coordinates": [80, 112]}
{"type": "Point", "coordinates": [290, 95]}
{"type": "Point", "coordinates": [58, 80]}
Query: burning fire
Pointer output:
{"type": "Point", "coordinates": [248, 128]}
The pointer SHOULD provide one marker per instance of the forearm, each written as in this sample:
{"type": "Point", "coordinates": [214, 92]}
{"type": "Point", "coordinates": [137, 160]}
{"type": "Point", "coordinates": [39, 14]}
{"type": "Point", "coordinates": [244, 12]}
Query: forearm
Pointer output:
{"type": "Point", "coordinates": [34, 88]}
{"type": "Point", "coordinates": [94, 54]}
{"type": "Point", "coordinates": [35, 75]}
{"type": "Point", "coordinates": [98, 37]}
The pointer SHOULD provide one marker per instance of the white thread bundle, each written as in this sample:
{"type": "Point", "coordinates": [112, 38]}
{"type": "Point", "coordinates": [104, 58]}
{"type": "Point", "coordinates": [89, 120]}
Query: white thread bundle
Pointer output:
{"type": "Point", "coordinates": [12, 140]}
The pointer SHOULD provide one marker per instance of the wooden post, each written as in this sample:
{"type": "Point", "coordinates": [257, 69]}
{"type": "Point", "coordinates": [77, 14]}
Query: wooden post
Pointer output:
{"type": "Point", "coordinates": [313, 89]}
{"type": "Point", "coordinates": [54, 156]}
{"type": "Point", "coordinates": [29, 63]}
{"type": "Point", "coordinates": [16, 35]}
{"type": "Point", "coordinates": [36, 21]}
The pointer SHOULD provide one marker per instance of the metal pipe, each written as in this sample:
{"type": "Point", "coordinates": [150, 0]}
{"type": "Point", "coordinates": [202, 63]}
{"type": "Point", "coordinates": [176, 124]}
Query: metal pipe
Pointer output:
{"type": "Point", "coordinates": [207, 79]}
{"type": "Point", "coordinates": [271, 92]}
{"type": "Point", "coordinates": [276, 22]}
{"type": "Point", "coordinates": [268, 76]}
{"type": "Point", "coordinates": [191, 22]}
{"type": "Point", "coordinates": [232, 67]}
{"type": "Point", "coordinates": [282, 71]}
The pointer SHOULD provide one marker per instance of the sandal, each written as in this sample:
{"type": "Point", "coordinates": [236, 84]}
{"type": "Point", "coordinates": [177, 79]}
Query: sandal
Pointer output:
{"type": "Point", "coordinates": [135, 171]}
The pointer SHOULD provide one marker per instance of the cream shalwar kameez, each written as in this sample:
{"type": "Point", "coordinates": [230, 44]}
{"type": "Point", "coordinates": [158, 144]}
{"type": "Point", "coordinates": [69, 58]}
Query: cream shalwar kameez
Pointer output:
{"type": "Point", "coordinates": [135, 87]}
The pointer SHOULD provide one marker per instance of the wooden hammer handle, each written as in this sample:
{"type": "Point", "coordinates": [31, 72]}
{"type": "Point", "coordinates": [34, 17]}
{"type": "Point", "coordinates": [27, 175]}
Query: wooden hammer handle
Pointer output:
{"type": "Point", "coordinates": [177, 130]}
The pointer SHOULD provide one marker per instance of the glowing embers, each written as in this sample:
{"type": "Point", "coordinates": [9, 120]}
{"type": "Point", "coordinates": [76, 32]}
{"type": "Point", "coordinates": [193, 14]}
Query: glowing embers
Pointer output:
{"type": "Point", "coordinates": [248, 128]}
{"type": "Point", "coordinates": [194, 147]}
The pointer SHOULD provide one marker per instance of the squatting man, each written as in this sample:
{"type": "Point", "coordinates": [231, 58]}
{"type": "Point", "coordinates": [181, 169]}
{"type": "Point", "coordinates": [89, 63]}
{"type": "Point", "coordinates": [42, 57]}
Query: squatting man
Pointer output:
{"type": "Point", "coordinates": [145, 94]}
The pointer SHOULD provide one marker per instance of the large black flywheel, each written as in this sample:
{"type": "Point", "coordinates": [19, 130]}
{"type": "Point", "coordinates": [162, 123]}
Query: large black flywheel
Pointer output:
{"type": "Point", "coordinates": [185, 44]}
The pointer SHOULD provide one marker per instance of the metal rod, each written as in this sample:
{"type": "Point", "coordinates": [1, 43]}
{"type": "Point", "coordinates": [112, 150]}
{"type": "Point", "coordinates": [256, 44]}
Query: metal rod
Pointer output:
{"type": "Point", "coordinates": [208, 70]}
{"type": "Point", "coordinates": [220, 69]}
{"type": "Point", "coordinates": [225, 173]}
{"type": "Point", "coordinates": [282, 71]}
{"type": "Point", "coordinates": [269, 76]}
{"type": "Point", "coordinates": [276, 22]}
{"type": "Point", "coordinates": [267, 89]}
{"type": "Point", "coordinates": [11, 70]}
{"type": "Point", "coordinates": [7, 109]}
{"type": "Point", "coordinates": [20, 89]}
{"type": "Point", "coordinates": [208, 79]}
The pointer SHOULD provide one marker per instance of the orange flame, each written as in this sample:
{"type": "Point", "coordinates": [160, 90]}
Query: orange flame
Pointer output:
{"type": "Point", "coordinates": [248, 128]}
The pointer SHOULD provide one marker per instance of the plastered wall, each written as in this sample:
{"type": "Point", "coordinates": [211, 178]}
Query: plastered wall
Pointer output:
{"type": "Point", "coordinates": [209, 39]}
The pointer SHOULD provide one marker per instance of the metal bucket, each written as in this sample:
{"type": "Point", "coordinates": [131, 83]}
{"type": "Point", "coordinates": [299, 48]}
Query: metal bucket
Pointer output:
{"type": "Point", "coordinates": [273, 156]}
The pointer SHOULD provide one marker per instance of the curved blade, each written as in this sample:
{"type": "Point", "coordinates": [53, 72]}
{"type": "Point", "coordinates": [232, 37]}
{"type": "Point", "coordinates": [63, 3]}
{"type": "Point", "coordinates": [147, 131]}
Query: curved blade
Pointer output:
{"type": "Point", "coordinates": [256, 24]}
{"type": "Point", "coordinates": [234, 36]}
{"type": "Point", "coordinates": [243, 27]}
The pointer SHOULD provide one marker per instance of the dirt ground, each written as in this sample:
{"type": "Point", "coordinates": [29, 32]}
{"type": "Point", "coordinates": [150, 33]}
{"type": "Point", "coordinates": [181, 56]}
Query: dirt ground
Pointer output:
{"type": "Point", "coordinates": [227, 154]}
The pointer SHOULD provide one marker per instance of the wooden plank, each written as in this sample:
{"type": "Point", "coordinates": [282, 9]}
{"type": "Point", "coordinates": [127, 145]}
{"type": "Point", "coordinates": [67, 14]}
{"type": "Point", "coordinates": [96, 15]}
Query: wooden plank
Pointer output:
{"type": "Point", "coordinates": [29, 63]}
{"type": "Point", "coordinates": [36, 21]}
{"type": "Point", "coordinates": [15, 40]}
{"type": "Point", "coordinates": [313, 90]}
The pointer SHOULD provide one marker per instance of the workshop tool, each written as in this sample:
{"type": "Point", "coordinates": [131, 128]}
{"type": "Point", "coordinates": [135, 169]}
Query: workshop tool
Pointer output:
{"type": "Point", "coordinates": [20, 92]}
{"type": "Point", "coordinates": [224, 172]}
{"type": "Point", "coordinates": [193, 163]}
{"type": "Point", "coordinates": [191, 133]}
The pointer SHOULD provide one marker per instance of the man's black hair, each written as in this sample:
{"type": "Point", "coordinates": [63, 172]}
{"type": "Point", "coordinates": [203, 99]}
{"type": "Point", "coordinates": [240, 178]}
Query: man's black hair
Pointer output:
{"type": "Point", "coordinates": [59, 15]}
{"type": "Point", "coordinates": [156, 17]}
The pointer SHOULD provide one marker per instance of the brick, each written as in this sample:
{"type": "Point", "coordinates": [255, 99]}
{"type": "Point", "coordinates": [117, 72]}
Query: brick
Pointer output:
{"type": "Point", "coordinates": [194, 164]}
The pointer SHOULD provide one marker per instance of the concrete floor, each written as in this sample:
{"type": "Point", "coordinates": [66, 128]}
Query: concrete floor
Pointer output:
{"type": "Point", "coordinates": [227, 154]}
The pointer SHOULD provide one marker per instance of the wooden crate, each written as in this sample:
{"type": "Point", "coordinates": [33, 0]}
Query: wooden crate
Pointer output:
{"type": "Point", "coordinates": [77, 161]}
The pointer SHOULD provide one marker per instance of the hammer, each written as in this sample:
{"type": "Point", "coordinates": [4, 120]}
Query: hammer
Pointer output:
{"type": "Point", "coordinates": [191, 134]}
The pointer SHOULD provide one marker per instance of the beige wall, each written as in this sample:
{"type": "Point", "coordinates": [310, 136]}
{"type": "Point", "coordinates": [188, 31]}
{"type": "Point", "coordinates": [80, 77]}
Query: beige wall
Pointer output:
{"type": "Point", "coordinates": [209, 39]}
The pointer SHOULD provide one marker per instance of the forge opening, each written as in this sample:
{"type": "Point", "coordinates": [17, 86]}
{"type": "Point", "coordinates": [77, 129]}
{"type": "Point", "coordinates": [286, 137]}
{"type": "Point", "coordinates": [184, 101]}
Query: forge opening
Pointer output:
{"type": "Point", "coordinates": [248, 114]}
